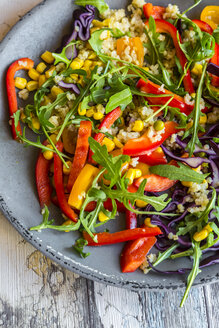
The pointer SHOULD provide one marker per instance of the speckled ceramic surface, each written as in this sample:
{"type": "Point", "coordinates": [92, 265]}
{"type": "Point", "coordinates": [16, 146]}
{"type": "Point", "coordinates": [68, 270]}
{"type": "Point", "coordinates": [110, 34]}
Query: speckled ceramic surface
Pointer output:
{"type": "Point", "coordinates": [42, 29]}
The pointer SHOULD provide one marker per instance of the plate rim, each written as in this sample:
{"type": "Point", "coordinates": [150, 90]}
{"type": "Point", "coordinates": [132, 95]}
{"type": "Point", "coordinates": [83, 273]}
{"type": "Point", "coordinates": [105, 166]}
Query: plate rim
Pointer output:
{"type": "Point", "coordinates": [66, 263]}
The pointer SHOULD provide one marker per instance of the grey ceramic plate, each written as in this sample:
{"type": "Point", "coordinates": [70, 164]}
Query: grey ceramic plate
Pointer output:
{"type": "Point", "coordinates": [42, 29]}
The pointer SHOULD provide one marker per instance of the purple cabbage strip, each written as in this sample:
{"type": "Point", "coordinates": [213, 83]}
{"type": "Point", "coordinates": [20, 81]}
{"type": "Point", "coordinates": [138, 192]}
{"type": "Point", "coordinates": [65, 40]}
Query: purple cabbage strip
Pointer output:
{"type": "Point", "coordinates": [213, 131]}
{"type": "Point", "coordinates": [70, 86]}
{"type": "Point", "coordinates": [215, 147]}
{"type": "Point", "coordinates": [183, 145]}
{"type": "Point", "coordinates": [81, 28]}
{"type": "Point", "coordinates": [191, 161]}
{"type": "Point", "coordinates": [179, 26]}
{"type": "Point", "coordinates": [211, 101]}
{"type": "Point", "coordinates": [214, 162]}
{"type": "Point", "coordinates": [213, 69]}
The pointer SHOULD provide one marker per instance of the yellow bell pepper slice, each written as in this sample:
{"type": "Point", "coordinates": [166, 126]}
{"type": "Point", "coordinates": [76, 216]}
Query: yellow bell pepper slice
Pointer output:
{"type": "Point", "coordinates": [82, 185]}
{"type": "Point", "coordinates": [210, 15]}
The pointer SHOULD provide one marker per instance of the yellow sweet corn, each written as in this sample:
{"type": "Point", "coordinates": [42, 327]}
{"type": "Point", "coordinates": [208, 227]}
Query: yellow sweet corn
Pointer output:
{"type": "Point", "coordinates": [203, 119]}
{"type": "Point", "coordinates": [47, 57]}
{"type": "Point", "coordinates": [48, 154]}
{"type": "Point", "coordinates": [77, 63]}
{"type": "Point", "coordinates": [66, 170]}
{"type": "Point", "coordinates": [98, 23]}
{"type": "Point", "coordinates": [122, 122]}
{"type": "Point", "coordinates": [130, 175]}
{"type": "Point", "coordinates": [35, 123]}
{"type": "Point", "coordinates": [42, 80]}
{"type": "Point", "coordinates": [110, 145]}
{"type": "Point", "coordinates": [146, 69]}
{"type": "Point", "coordinates": [102, 217]}
{"type": "Point", "coordinates": [140, 203]}
{"type": "Point", "coordinates": [92, 56]}
{"type": "Point", "coordinates": [46, 101]}
{"type": "Point", "coordinates": [186, 183]}
{"type": "Point", "coordinates": [189, 125]}
{"type": "Point", "coordinates": [32, 85]}
{"type": "Point", "coordinates": [138, 126]}
{"type": "Point", "coordinates": [53, 138]}
{"type": "Point", "coordinates": [201, 235]}
{"type": "Point", "coordinates": [74, 77]}
{"type": "Point", "coordinates": [66, 223]}
{"type": "Point", "coordinates": [41, 67]}
{"type": "Point", "coordinates": [23, 117]}
{"type": "Point", "coordinates": [159, 150]}
{"type": "Point", "coordinates": [144, 168]}
{"type": "Point", "coordinates": [93, 29]}
{"type": "Point", "coordinates": [197, 69]}
{"type": "Point", "coordinates": [50, 72]}
{"type": "Point", "coordinates": [117, 143]}
{"type": "Point", "coordinates": [208, 228]}
{"type": "Point", "coordinates": [193, 95]}
{"type": "Point", "coordinates": [55, 91]}
{"type": "Point", "coordinates": [33, 74]}
{"type": "Point", "coordinates": [87, 63]}
{"type": "Point", "coordinates": [138, 173]}
{"type": "Point", "coordinates": [98, 116]}
{"type": "Point", "coordinates": [81, 111]}
{"type": "Point", "coordinates": [90, 112]}
{"type": "Point", "coordinates": [20, 82]}
{"type": "Point", "coordinates": [82, 185]}
{"type": "Point", "coordinates": [147, 222]}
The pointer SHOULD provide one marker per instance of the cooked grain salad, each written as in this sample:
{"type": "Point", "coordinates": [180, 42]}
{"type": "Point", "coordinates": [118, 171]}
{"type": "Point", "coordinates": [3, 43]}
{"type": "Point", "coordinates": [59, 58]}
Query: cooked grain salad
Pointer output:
{"type": "Point", "coordinates": [126, 116]}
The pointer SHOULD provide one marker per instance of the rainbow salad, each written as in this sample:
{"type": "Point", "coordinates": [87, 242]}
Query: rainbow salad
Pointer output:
{"type": "Point", "coordinates": [126, 115]}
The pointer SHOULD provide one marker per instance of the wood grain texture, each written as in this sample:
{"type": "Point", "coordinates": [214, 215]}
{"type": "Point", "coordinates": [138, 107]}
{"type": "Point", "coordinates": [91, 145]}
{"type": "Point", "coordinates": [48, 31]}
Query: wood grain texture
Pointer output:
{"type": "Point", "coordinates": [35, 292]}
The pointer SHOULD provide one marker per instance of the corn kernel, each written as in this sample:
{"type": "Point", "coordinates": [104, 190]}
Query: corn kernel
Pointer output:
{"type": "Point", "coordinates": [66, 170]}
{"type": "Point", "coordinates": [98, 23]}
{"type": "Point", "coordinates": [77, 63]}
{"type": "Point", "coordinates": [208, 228]}
{"type": "Point", "coordinates": [144, 168]}
{"type": "Point", "coordinates": [189, 125]}
{"type": "Point", "coordinates": [90, 112]}
{"type": "Point", "coordinates": [23, 117]}
{"type": "Point", "coordinates": [87, 63]}
{"type": "Point", "coordinates": [55, 91]}
{"type": "Point", "coordinates": [81, 111]}
{"type": "Point", "coordinates": [148, 223]}
{"type": "Point", "coordinates": [105, 35]}
{"type": "Point", "coordinates": [98, 116]}
{"type": "Point", "coordinates": [74, 77]}
{"type": "Point", "coordinates": [42, 80]}
{"type": "Point", "coordinates": [53, 137]}
{"type": "Point", "coordinates": [122, 122]}
{"type": "Point", "coordinates": [203, 119]}
{"type": "Point", "coordinates": [117, 143]}
{"type": "Point", "coordinates": [47, 57]}
{"type": "Point", "coordinates": [138, 126]}
{"type": "Point", "coordinates": [46, 101]}
{"type": "Point", "coordinates": [20, 82]}
{"type": "Point", "coordinates": [138, 173]}
{"type": "Point", "coordinates": [146, 69]}
{"type": "Point", "coordinates": [130, 175]}
{"type": "Point", "coordinates": [93, 29]}
{"type": "Point", "coordinates": [197, 69]}
{"type": "Point", "coordinates": [102, 217]}
{"type": "Point", "coordinates": [66, 223]}
{"type": "Point", "coordinates": [41, 67]}
{"type": "Point", "coordinates": [110, 145]}
{"type": "Point", "coordinates": [48, 154]}
{"type": "Point", "coordinates": [81, 81]}
{"type": "Point", "coordinates": [33, 74]}
{"type": "Point", "coordinates": [92, 56]}
{"type": "Point", "coordinates": [50, 72]}
{"type": "Point", "coordinates": [35, 123]}
{"type": "Point", "coordinates": [201, 235]}
{"type": "Point", "coordinates": [193, 95]}
{"type": "Point", "coordinates": [140, 203]}
{"type": "Point", "coordinates": [186, 183]}
{"type": "Point", "coordinates": [159, 150]}
{"type": "Point", "coordinates": [32, 85]}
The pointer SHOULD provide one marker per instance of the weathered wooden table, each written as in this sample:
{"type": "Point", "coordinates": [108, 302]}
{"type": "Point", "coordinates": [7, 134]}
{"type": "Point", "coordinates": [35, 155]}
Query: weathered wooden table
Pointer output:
{"type": "Point", "coordinates": [35, 292]}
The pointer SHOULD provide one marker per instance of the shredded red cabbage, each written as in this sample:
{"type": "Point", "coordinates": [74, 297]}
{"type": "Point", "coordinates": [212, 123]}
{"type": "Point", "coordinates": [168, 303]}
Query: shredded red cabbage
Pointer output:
{"type": "Point", "coordinates": [213, 69]}
{"type": "Point", "coordinates": [70, 86]}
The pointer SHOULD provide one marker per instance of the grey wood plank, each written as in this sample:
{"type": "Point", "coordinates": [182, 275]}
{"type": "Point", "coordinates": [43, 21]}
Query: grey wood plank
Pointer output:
{"type": "Point", "coordinates": [212, 303]}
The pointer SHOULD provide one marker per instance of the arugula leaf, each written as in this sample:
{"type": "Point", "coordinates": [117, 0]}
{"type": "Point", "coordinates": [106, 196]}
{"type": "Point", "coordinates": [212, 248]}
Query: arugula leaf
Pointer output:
{"type": "Point", "coordinates": [48, 224]}
{"type": "Point", "coordinates": [79, 247]}
{"type": "Point", "coordinates": [196, 3]}
{"type": "Point", "coordinates": [95, 41]}
{"type": "Point", "coordinates": [194, 272]}
{"type": "Point", "coordinates": [166, 254]}
{"type": "Point", "coordinates": [99, 4]}
{"type": "Point", "coordinates": [122, 99]}
{"type": "Point", "coordinates": [61, 57]}
{"type": "Point", "coordinates": [216, 34]}
{"type": "Point", "coordinates": [181, 173]}
{"type": "Point", "coordinates": [195, 115]}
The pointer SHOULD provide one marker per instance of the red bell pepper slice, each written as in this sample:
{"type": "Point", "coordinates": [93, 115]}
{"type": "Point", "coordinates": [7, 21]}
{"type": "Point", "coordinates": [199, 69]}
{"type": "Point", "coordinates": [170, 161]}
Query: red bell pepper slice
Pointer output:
{"type": "Point", "coordinates": [205, 27]}
{"type": "Point", "coordinates": [177, 101]}
{"type": "Point", "coordinates": [162, 26]}
{"type": "Point", "coordinates": [44, 188]}
{"type": "Point", "coordinates": [106, 238]}
{"type": "Point", "coordinates": [155, 183]}
{"type": "Point", "coordinates": [23, 63]}
{"type": "Point", "coordinates": [154, 158]}
{"type": "Point", "coordinates": [80, 153]}
{"type": "Point", "coordinates": [134, 253]}
{"type": "Point", "coordinates": [131, 219]}
{"type": "Point", "coordinates": [59, 186]}
{"type": "Point", "coordinates": [215, 60]}
{"type": "Point", "coordinates": [107, 122]}
{"type": "Point", "coordinates": [155, 11]}
{"type": "Point", "coordinates": [107, 205]}
{"type": "Point", "coordinates": [142, 145]}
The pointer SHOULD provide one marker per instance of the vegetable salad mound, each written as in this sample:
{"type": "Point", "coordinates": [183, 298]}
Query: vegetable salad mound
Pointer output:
{"type": "Point", "coordinates": [126, 116]}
